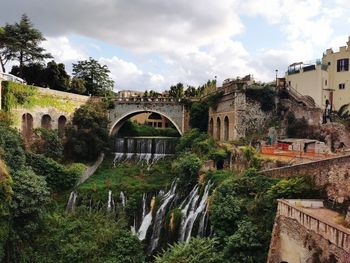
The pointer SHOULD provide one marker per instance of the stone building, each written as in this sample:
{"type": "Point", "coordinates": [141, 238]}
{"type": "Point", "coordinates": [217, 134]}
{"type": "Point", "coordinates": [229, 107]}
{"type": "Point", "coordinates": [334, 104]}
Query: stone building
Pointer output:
{"type": "Point", "coordinates": [234, 114]}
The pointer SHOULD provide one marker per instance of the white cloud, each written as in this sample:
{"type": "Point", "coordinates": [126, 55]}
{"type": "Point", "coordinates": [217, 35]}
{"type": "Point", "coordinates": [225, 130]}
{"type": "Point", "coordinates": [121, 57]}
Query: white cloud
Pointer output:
{"type": "Point", "coordinates": [127, 75]}
{"type": "Point", "coordinates": [63, 50]}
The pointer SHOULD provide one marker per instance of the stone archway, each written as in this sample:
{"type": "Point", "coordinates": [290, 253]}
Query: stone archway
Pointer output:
{"type": "Point", "coordinates": [27, 126]}
{"type": "Point", "coordinates": [62, 120]}
{"type": "Point", "coordinates": [117, 124]}
{"type": "Point", "coordinates": [226, 127]}
{"type": "Point", "coordinates": [218, 128]}
{"type": "Point", "coordinates": [46, 122]}
{"type": "Point", "coordinates": [211, 127]}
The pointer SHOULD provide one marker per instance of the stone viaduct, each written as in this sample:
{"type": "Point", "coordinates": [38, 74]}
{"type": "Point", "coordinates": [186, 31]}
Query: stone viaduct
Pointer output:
{"type": "Point", "coordinates": [52, 109]}
{"type": "Point", "coordinates": [124, 108]}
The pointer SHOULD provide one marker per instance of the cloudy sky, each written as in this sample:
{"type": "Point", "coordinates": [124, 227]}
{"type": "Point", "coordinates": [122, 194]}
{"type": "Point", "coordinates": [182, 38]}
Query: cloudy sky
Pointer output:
{"type": "Point", "coordinates": [152, 44]}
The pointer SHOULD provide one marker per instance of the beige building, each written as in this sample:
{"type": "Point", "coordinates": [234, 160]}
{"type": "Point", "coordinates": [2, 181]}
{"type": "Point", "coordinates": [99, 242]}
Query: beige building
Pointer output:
{"type": "Point", "coordinates": [326, 79]}
{"type": "Point", "coordinates": [129, 93]}
{"type": "Point", "coordinates": [339, 75]}
{"type": "Point", "coordinates": [309, 79]}
{"type": "Point", "coordinates": [151, 119]}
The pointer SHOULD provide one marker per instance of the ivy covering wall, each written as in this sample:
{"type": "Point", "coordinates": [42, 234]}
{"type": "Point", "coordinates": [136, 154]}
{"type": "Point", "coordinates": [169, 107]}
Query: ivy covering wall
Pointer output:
{"type": "Point", "coordinates": [16, 95]}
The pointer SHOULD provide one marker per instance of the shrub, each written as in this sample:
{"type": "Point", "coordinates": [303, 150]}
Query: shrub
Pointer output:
{"type": "Point", "coordinates": [198, 250]}
{"type": "Point", "coordinates": [88, 137]}
{"type": "Point", "coordinates": [47, 142]}
{"type": "Point", "coordinates": [84, 237]}
{"type": "Point", "coordinates": [187, 167]}
{"type": "Point", "coordinates": [57, 176]}
{"type": "Point", "coordinates": [11, 148]}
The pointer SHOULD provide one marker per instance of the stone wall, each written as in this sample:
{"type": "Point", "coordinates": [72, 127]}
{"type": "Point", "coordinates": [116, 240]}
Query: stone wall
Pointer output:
{"type": "Point", "coordinates": [235, 116]}
{"type": "Point", "coordinates": [299, 236]}
{"type": "Point", "coordinates": [167, 107]}
{"type": "Point", "coordinates": [332, 173]}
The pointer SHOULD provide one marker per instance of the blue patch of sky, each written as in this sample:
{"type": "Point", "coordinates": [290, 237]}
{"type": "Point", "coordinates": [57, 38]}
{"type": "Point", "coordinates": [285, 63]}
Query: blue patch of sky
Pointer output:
{"type": "Point", "coordinates": [259, 35]}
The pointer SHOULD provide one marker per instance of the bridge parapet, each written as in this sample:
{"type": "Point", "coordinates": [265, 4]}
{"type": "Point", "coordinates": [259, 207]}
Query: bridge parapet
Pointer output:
{"type": "Point", "coordinates": [147, 100]}
{"type": "Point", "coordinates": [335, 233]}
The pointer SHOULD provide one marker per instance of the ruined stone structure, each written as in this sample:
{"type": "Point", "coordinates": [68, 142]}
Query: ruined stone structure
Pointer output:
{"type": "Point", "coordinates": [304, 231]}
{"type": "Point", "coordinates": [124, 108]}
{"type": "Point", "coordinates": [332, 173]}
{"type": "Point", "coordinates": [234, 114]}
{"type": "Point", "coordinates": [52, 111]}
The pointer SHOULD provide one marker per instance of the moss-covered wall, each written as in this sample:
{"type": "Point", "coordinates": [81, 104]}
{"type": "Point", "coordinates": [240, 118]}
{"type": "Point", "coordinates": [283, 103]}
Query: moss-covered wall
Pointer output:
{"type": "Point", "coordinates": [18, 99]}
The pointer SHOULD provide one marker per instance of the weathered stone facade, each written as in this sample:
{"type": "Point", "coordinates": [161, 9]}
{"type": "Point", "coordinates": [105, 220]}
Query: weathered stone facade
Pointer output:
{"type": "Point", "coordinates": [301, 236]}
{"type": "Point", "coordinates": [332, 173]}
{"type": "Point", "coordinates": [126, 108]}
{"type": "Point", "coordinates": [235, 115]}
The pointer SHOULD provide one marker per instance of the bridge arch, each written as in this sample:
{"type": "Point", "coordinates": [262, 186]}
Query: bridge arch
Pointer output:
{"type": "Point", "coordinates": [118, 123]}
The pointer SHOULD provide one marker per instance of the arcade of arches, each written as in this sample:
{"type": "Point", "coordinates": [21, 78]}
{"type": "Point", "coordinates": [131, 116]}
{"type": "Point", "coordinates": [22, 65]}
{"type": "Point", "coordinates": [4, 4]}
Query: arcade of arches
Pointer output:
{"type": "Point", "coordinates": [45, 121]}
{"type": "Point", "coordinates": [221, 127]}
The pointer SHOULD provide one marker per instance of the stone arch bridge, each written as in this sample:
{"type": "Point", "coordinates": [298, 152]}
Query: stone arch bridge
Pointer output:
{"type": "Point", "coordinates": [125, 108]}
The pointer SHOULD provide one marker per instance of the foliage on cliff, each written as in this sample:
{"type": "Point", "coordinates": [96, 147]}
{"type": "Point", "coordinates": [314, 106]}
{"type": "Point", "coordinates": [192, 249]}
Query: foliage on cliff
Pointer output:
{"type": "Point", "coordinates": [88, 136]}
{"type": "Point", "coordinates": [265, 95]}
{"type": "Point", "coordinates": [134, 129]}
{"type": "Point", "coordinates": [27, 96]}
{"type": "Point", "coordinates": [84, 237]}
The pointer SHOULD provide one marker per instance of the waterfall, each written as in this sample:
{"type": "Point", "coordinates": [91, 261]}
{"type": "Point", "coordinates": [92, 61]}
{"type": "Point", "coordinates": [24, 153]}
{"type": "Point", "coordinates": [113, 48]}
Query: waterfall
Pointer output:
{"type": "Point", "coordinates": [146, 222]}
{"type": "Point", "coordinates": [160, 216]}
{"type": "Point", "coordinates": [110, 203]}
{"type": "Point", "coordinates": [191, 211]}
{"type": "Point", "coordinates": [143, 206]}
{"type": "Point", "coordinates": [71, 201]}
{"type": "Point", "coordinates": [123, 198]}
{"type": "Point", "coordinates": [143, 149]}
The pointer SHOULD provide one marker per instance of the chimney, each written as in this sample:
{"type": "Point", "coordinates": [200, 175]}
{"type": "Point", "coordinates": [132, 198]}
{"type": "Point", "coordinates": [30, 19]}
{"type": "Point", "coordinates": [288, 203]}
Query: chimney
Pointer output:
{"type": "Point", "coordinates": [348, 43]}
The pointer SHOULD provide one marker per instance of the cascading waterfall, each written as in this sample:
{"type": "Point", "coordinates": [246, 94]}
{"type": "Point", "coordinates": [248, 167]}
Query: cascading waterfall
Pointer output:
{"type": "Point", "coordinates": [71, 201]}
{"type": "Point", "coordinates": [150, 226]}
{"type": "Point", "coordinates": [123, 198]}
{"type": "Point", "coordinates": [110, 203]}
{"type": "Point", "coordinates": [160, 216]}
{"type": "Point", "coordinates": [146, 221]}
{"type": "Point", "coordinates": [196, 209]}
{"type": "Point", "coordinates": [143, 149]}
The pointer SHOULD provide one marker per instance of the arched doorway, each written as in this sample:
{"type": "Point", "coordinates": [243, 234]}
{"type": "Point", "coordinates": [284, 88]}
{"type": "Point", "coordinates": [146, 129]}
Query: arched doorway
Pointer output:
{"type": "Point", "coordinates": [211, 127]}
{"type": "Point", "coordinates": [218, 128]}
{"type": "Point", "coordinates": [226, 123]}
{"type": "Point", "coordinates": [46, 122]}
{"type": "Point", "coordinates": [62, 120]}
{"type": "Point", "coordinates": [27, 126]}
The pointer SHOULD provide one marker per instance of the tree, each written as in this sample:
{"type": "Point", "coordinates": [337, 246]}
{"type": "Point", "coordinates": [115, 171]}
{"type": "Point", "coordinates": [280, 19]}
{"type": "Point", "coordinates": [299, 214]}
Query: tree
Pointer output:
{"type": "Point", "coordinates": [88, 137]}
{"type": "Point", "coordinates": [199, 116]}
{"type": "Point", "coordinates": [24, 41]}
{"type": "Point", "coordinates": [5, 201]}
{"type": "Point", "coordinates": [177, 91]}
{"type": "Point", "coordinates": [47, 142]}
{"type": "Point", "coordinates": [84, 237]}
{"type": "Point", "coordinates": [77, 85]}
{"type": "Point", "coordinates": [191, 92]}
{"type": "Point", "coordinates": [187, 167]}
{"type": "Point", "coordinates": [198, 250]}
{"type": "Point", "coordinates": [6, 53]}
{"type": "Point", "coordinates": [56, 77]}
{"type": "Point", "coordinates": [32, 73]}
{"type": "Point", "coordinates": [95, 75]}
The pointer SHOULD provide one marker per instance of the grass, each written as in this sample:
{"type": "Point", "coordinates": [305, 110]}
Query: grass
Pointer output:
{"type": "Point", "coordinates": [129, 177]}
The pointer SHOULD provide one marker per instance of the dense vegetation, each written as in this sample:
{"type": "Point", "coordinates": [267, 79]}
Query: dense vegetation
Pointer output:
{"type": "Point", "coordinates": [135, 129]}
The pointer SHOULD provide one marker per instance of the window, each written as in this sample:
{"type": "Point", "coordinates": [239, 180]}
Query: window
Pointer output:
{"type": "Point", "coordinates": [341, 85]}
{"type": "Point", "coordinates": [343, 64]}
{"type": "Point", "coordinates": [325, 83]}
